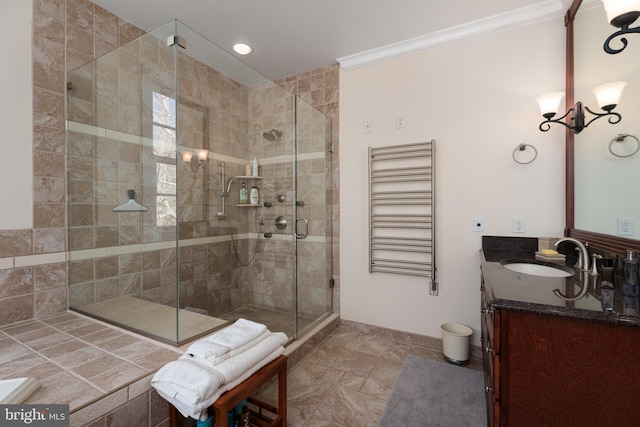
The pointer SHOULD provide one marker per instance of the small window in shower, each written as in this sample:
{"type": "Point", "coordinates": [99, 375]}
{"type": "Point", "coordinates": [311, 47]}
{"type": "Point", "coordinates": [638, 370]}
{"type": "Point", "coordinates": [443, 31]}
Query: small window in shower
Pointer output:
{"type": "Point", "coordinates": [164, 152]}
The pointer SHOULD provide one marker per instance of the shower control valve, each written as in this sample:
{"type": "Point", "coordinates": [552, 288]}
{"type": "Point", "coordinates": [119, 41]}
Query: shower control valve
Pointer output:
{"type": "Point", "coordinates": [281, 223]}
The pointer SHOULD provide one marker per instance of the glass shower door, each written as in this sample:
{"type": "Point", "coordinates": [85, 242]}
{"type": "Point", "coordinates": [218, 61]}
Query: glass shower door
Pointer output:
{"type": "Point", "coordinates": [312, 216]}
{"type": "Point", "coordinates": [122, 187]}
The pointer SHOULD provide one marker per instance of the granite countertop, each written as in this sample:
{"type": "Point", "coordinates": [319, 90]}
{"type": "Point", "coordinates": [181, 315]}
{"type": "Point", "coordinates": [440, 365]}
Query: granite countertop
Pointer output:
{"type": "Point", "coordinates": [517, 291]}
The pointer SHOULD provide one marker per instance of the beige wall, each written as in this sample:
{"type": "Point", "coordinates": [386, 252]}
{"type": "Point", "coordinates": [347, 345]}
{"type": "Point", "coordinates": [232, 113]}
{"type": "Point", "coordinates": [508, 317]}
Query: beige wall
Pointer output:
{"type": "Point", "coordinates": [476, 99]}
{"type": "Point", "coordinates": [15, 116]}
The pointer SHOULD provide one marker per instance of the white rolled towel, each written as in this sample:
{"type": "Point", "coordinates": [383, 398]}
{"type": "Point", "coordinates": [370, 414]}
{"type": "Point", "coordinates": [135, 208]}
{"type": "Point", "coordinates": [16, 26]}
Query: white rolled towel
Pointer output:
{"type": "Point", "coordinates": [234, 338]}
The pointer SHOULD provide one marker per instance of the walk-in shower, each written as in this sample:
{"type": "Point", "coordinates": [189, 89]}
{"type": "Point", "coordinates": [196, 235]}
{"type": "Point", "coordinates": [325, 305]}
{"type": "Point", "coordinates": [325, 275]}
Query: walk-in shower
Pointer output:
{"type": "Point", "coordinates": [172, 128]}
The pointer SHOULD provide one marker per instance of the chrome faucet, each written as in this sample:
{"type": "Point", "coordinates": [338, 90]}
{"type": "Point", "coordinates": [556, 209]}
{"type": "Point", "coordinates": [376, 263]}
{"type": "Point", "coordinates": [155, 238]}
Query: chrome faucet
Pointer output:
{"type": "Point", "coordinates": [583, 260]}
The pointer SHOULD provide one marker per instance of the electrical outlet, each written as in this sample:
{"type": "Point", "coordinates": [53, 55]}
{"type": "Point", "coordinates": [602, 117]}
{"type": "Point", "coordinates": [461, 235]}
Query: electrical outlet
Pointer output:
{"type": "Point", "coordinates": [400, 121]}
{"type": "Point", "coordinates": [625, 226]}
{"type": "Point", "coordinates": [518, 225]}
{"type": "Point", "coordinates": [478, 224]}
{"type": "Point", "coordinates": [433, 288]}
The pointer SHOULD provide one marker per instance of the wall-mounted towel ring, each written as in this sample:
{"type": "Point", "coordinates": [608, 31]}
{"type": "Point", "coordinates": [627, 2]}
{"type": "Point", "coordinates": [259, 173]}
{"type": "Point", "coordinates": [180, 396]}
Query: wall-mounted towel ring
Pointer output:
{"type": "Point", "coordinates": [620, 138]}
{"type": "Point", "coordinates": [523, 147]}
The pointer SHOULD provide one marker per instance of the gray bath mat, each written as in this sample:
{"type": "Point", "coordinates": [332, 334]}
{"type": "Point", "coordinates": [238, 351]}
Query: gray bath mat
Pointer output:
{"type": "Point", "coordinates": [431, 393]}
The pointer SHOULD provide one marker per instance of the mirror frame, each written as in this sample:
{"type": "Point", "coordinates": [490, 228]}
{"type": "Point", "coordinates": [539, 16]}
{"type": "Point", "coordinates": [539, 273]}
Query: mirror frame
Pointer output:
{"type": "Point", "coordinates": [602, 241]}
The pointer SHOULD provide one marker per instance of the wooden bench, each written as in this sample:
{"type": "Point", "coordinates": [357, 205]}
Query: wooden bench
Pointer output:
{"type": "Point", "coordinates": [233, 397]}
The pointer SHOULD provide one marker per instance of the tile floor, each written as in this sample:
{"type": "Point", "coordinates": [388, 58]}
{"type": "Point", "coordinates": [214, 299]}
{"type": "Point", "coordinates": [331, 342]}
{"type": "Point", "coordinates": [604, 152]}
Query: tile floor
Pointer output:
{"type": "Point", "coordinates": [345, 380]}
{"type": "Point", "coordinates": [348, 378]}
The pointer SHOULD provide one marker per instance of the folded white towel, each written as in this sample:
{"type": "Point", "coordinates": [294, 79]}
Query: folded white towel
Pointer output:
{"type": "Point", "coordinates": [233, 337]}
{"type": "Point", "coordinates": [197, 411]}
{"type": "Point", "coordinates": [270, 358]}
{"type": "Point", "coordinates": [192, 383]}
{"type": "Point", "coordinates": [189, 386]}
{"type": "Point", "coordinates": [235, 366]}
{"type": "Point", "coordinates": [215, 353]}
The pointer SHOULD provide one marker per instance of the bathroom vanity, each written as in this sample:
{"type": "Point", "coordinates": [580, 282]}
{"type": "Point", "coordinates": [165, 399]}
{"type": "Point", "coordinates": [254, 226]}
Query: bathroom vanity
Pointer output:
{"type": "Point", "coordinates": [556, 361]}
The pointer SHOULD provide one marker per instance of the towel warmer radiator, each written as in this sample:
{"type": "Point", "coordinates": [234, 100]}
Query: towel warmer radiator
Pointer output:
{"type": "Point", "coordinates": [402, 210]}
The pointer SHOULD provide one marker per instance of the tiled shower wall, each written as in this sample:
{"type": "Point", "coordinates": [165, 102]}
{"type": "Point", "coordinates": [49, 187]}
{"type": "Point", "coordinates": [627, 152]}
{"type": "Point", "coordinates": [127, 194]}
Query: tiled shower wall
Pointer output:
{"type": "Point", "coordinates": [66, 34]}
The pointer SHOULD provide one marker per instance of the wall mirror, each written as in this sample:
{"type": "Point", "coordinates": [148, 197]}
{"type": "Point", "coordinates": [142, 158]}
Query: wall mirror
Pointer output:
{"type": "Point", "coordinates": [603, 199]}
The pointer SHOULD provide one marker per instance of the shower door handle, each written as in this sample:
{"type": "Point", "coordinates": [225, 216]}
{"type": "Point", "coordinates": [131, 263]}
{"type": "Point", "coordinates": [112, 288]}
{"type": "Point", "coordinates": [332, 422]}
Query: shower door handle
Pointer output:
{"type": "Point", "coordinates": [306, 228]}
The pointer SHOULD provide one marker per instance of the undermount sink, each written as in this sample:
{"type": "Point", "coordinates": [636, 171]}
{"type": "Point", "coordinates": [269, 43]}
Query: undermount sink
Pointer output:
{"type": "Point", "coordinates": [537, 268]}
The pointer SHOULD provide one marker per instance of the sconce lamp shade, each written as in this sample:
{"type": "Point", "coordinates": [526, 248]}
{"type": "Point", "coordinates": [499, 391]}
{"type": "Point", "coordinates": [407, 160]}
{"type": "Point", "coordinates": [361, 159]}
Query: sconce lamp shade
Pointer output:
{"type": "Point", "coordinates": [187, 156]}
{"type": "Point", "coordinates": [622, 13]}
{"type": "Point", "coordinates": [608, 95]}
{"type": "Point", "coordinates": [549, 103]}
{"type": "Point", "coordinates": [202, 154]}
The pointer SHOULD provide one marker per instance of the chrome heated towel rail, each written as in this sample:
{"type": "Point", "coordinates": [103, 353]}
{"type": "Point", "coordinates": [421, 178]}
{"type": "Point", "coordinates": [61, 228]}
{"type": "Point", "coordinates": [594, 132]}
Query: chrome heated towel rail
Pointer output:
{"type": "Point", "coordinates": [402, 210]}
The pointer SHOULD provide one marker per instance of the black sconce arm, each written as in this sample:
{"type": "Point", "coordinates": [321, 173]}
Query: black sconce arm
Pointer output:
{"type": "Point", "coordinates": [613, 119]}
{"type": "Point", "coordinates": [546, 125]}
{"type": "Point", "coordinates": [621, 32]}
{"type": "Point", "coordinates": [622, 21]}
{"type": "Point", "coordinates": [578, 118]}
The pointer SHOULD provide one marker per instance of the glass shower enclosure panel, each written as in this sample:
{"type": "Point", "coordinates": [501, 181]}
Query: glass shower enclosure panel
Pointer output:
{"type": "Point", "coordinates": [312, 215]}
{"type": "Point", "coordinates": [123, 180]}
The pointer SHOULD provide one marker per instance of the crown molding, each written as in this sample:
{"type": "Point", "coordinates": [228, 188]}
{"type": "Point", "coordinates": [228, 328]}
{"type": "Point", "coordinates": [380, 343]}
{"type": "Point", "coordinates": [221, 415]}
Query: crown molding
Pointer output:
{"type": "Point", "coordinates": [538, 12]}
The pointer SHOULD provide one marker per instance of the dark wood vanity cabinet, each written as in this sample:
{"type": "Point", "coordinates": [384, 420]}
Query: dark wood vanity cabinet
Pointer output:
{"type": "Point", "coordinates": [548, 370]}
{"type": "Point", "coordinates": [490, 357]}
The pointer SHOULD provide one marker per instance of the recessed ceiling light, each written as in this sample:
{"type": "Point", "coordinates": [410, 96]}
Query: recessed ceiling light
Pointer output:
{"type": "Point", "coordinates": [242, 49]}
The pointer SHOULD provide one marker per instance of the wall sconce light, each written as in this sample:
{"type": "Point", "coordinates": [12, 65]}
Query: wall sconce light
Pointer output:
{"type": "Point", "coordinates": [607, 95]}
{"type": "Point", "coordinates": [621, 14]}
{"type": "Point", "coordinates": [187, 158]}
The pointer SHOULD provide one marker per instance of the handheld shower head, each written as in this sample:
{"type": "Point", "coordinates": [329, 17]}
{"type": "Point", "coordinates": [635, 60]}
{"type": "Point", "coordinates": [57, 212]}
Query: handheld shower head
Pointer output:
{"type": "Point", "coordinates": [272, 135]}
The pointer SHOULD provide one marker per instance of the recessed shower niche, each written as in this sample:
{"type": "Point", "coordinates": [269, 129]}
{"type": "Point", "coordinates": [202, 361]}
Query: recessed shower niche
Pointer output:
{"type": "Point", "coordinates": [179, 269]}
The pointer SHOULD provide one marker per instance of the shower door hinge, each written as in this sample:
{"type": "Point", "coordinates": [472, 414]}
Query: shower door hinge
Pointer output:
{"type": "Point", "coordinates": [175, 39]}
{"type": "Point", "coordinates": [331, 148]}
{"type": "Point", "coordinates": [332, 283]}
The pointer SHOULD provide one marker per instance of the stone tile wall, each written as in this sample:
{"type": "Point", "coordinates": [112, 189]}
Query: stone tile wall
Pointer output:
{"type": "Point", "coordinates": [66, 33]}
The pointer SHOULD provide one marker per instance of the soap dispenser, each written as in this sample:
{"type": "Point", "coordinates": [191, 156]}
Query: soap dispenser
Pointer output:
{"type": "Point", "coordinates": [607, 287]}
{"type": "Point", "coordinates": [244, 195]}
{"type": "Point", "coordinates": [254, 196]}
{"type": "Point", "coordinates": [630, 271]}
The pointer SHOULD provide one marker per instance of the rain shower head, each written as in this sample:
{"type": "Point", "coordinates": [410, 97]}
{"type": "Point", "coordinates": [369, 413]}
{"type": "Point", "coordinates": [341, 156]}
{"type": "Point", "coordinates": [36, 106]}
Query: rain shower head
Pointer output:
{"type": "Point", "coordinates": [272, 135]}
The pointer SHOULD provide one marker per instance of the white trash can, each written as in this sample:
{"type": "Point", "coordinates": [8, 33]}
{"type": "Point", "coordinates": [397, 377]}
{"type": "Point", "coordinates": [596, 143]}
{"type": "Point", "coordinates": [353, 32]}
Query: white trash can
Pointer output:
{"type": "Point", "coordinates": [455, 343]}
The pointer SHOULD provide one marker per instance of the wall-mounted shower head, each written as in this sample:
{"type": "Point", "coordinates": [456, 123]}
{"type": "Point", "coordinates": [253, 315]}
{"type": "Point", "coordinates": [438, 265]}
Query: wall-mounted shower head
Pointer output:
{"type": "Point", "coordinates": [272, 135]}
